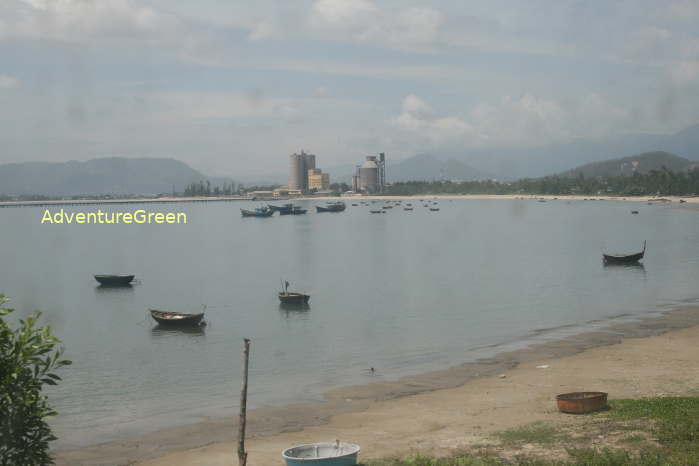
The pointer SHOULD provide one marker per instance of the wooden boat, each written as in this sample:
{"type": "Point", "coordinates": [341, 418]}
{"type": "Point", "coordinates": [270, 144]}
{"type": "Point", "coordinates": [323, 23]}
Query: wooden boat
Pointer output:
{"type": "Point", "coordinates": [261, 212]}
{"type": "Point", "coordinates": [276, 208]}
{"type": "Point", "coordinates": [294, 210]}
{"type": "Point", "coordinates": [176, 319]}
{"type": "Point", "coordinates": [322, 454]}
{"type": "Point", "coordinates": [377, 211]}
{"type": "Point", "coordinates": [338, 206]}
{"type": "Point", "coordinates": [407, 208]}
{"type": "Point", "coordinates": [434, 209]}
{"type": "Point", "coordinates": [290, 297]}
{"type": "Point", "coordinates": [634, 211]}
{"type": "Point", "coordinates": [624, 259]}
{"type": "Point", "coordinates": [114, 280]}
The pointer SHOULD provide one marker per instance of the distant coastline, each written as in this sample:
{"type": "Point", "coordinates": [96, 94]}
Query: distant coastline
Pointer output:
{"type": "Point", "coordinates": [165, 200]}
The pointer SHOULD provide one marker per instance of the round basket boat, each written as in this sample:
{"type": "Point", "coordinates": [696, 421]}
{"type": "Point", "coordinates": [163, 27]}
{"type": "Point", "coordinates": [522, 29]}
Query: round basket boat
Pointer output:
{"type": "Point", "coordinates": [322, 454]}
{"type": "Point", "coordinates": [581, 402]}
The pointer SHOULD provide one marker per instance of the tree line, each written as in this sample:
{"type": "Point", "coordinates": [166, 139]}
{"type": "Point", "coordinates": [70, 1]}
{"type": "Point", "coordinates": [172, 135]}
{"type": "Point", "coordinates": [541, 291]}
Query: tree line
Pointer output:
{"type": "Point", "coordinates": [656, 182]}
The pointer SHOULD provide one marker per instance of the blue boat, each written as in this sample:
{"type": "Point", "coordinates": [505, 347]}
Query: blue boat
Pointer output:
{"type": "Point", "coordinates": [259, 212]}
{"type": "Point", "coordinates": [322, 454]}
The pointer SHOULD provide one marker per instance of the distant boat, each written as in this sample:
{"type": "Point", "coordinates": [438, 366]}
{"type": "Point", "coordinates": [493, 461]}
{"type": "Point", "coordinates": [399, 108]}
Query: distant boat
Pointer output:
{"type": "Point", "coordinates": [624, 259]}
{"type": "Point", "coordinates": [407, 208]}
{"type": "Point", "coordinates": [377, 211]}
{"type": "Point", "coordinates": [276, 208]}
{"type": "Point", "coordinates": [114, 280]}
{"type": "Point", "coordinates": [293, 210]}
{"type": "Point", "coordinates": [176, 319]}
{"type": "Point", "coordinates": [355, 205]}
{"type": "Point", "coordinates": [338, 206]}
{"type": "Point", "coordinates": [634, 211]}
{"type": "Point", "coordinates": [682, 201]}
{"type": "Point", "coordinates": [434, 209]}
{"type": "Point", "coordinates": [260, 212]}
{"type": "Point", "coordinates": [290, 297]}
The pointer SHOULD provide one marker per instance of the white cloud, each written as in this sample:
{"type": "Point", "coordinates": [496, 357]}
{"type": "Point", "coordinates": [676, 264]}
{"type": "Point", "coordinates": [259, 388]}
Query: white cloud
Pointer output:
{"type": "Point", "coordinates": [527, 121]}
{"type": "Point", "coordinates": [8, 82]}
{"type": "Point", "coordinates": [685, 72]}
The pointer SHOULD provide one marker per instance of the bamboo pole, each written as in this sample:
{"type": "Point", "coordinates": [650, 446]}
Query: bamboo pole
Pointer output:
{"type": "Point", "coordinates": [242, 454]}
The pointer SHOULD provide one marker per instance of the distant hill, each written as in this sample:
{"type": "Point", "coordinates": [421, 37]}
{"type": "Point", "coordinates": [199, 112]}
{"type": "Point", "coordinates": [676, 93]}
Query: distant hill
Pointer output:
{"type": "Point", "coordinates": [113, 175]}
{"type": "Point", "coordinates": [520, 162]}
{"type": "Point", "coordinates": [425, 167]}
{"type": "Point", "coordinates": [641, 163]}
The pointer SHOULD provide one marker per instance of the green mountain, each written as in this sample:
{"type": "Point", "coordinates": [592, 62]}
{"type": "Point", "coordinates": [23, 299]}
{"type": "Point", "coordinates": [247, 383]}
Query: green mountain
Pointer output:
{"type": "Point", "coordinates": [113, 175]}
{"type": "Point", "coordinates": [641, 163]}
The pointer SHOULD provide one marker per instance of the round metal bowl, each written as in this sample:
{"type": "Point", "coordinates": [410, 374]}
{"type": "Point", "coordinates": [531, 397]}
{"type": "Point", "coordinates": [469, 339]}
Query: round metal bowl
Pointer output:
{"type": "Point", "coordinates": [581, 402]}
{"type": "Point", "coordinates": [322, 454]}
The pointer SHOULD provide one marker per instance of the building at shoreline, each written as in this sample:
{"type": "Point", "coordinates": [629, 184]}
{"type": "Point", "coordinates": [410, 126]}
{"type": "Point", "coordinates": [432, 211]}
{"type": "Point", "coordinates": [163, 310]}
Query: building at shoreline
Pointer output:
{"type": "Point", "coordinates": [317, 180]}
{"type": "Point", "coordinates": [299, 165]}
{"type": "Point", "coordinates": [370, 177]}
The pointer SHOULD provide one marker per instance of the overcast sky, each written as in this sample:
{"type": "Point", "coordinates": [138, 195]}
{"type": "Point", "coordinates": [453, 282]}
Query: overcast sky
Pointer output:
{"type": "Point", "coordinates": [234, 86]}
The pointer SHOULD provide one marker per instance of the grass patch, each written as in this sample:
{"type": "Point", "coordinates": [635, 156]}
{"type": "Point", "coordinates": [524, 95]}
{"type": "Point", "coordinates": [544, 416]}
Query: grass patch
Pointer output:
{"type": "Point", "coordinates": [538, 432]}
{"type": "Point", "coordinates": [673, 422]}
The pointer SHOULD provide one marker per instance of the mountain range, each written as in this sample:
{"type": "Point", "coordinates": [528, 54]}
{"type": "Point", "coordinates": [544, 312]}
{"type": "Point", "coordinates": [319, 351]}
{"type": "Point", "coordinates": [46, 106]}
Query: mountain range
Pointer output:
{"type": "Point", "coordinates": [626, 166]}
{"type": "Point", "coordinates": [112, 175]}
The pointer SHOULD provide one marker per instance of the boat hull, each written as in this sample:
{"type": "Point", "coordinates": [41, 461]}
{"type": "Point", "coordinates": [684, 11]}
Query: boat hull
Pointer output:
{"type": "Point", "coordinates": [114, 280]}
{"type": "Point", "coordinates": [340, 207]}
{"type": "Point", "coordinates": [252, 213]}
{"type": "Point", "coordinates": [176, 319]}
{"type": "Point", "coordinates": [293, 298]}
{"type": "Point", "coordinates": [630, 259]}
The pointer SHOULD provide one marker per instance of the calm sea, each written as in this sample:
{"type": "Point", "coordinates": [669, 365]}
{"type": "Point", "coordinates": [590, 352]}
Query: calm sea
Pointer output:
{"type": "Point", "coordinates": [404, 292]}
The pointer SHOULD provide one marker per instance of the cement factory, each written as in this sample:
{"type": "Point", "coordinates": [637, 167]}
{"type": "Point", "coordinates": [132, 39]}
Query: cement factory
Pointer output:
{"type": "Point", "coordinates": [306, 178]}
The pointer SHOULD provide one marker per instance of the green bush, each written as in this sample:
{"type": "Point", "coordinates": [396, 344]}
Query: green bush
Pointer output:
{"type": "Point", "coordinates": [28, 357]}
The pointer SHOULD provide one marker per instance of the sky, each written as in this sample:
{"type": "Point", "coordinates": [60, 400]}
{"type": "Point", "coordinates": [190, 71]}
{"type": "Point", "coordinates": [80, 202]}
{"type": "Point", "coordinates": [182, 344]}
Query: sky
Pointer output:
{"type": "Point", "coordinates": [233, 87]}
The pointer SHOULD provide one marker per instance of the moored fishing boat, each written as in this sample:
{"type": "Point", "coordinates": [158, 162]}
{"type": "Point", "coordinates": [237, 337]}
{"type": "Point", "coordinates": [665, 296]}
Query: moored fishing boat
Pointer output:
{"type": "Point", "coordinates": [174, 319]}
{"type": "Point", "coordinates": [624, 258]}
{"type": "Point", "coordinates": [114, 280]}
{"type": "Point", "coordinates": [259, 212]}
{"type": "Point", "coordinates": [338, 206]}
{"type": "Point", "coordinates": [290, 297]}
{"type": "Point", "coordinates": [276, 208]}
{"type": "Point", "coordinates": [293, 210]}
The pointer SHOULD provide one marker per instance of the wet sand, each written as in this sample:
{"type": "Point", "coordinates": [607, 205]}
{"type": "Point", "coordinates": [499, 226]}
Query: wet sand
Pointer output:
{"type": "Point", "coordinates": [440, 410]}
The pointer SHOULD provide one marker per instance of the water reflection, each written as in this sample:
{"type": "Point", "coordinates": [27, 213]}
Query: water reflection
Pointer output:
{"type": "Point", "coordinates": [162, 331]}
{"type": "Point", "coordinates": [294, 310]}
{"type": "Point", "coordinates": [113, 289]}
{"type": "Point", "coordinates": [636, 266]}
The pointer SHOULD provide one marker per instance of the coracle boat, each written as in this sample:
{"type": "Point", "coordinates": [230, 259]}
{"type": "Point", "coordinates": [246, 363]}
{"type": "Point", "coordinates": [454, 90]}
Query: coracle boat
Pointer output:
{"type": "Point", "coordinates": [322, 454]}
{"type": "Point", "coordinates": [176, 319]}
{"type": "Point", "coordinates": [338, 206]}
{"type": "Point", "coordinates": [114, 280]}
{"type": "Point", "coordinates": [624, 259]}
{"type": "Point", "coordinates": [261, 212]}
{"type": "Point", "coordinates": [290, 297]}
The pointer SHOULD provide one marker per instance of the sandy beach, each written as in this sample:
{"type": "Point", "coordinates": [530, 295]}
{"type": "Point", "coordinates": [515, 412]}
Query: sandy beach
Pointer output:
{"type": "Point", "coordinates": [443, 411]}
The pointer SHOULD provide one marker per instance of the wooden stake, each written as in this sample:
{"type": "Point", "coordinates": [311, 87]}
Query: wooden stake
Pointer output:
{"type": "Point", "coordinates": [242, 454]}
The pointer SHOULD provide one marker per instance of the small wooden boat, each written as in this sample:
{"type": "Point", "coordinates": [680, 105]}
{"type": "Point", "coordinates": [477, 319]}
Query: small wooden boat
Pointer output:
{"type": "Point", "coordinates": [377, 211]}
{"type": "Point", "coordinates": [114, 280]}
{"type": "Point", "coordinates": [338, 206]}
{"type": "Point", "coordinates": [322, 454]}
{"type": "Point", "coordinates": [276, 208]}
{"type": "Point", "coordinates": [434, 209]}
{"type": "Point", "coordinates": [261, 212]}
{"type": "Point", "coordinates": [407, 208]}
{"type": "Point", "coordinates": [293, 210]}
{"type": "Point", "coordinates": [634, 211]}
{"type": "Point", "coordinates": [624, 259]}
{"type": "Point", "coordinates": [176, 319]}
{"type": "Point", "coordinates": [290, 297]}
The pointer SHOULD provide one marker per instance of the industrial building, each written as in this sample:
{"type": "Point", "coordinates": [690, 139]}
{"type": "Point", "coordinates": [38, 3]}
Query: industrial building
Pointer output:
{"type": "Point", "coordinates": [299, 165]}
{"type": "Point", "coordinates": [371, 175]}
{"type": "Point", "coordinates": [317, 180]}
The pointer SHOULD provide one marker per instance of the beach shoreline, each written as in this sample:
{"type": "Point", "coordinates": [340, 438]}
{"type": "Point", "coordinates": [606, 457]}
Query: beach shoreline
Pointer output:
{"type": "Point", "coordinates": [273, 424]}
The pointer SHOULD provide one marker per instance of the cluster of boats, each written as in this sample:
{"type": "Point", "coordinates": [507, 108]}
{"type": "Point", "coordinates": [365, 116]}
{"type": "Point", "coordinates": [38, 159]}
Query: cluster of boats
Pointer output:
{"type": "Point", "coordinates": [291, 209]}
{"type": "Point", "coordinates": [180, 319]}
